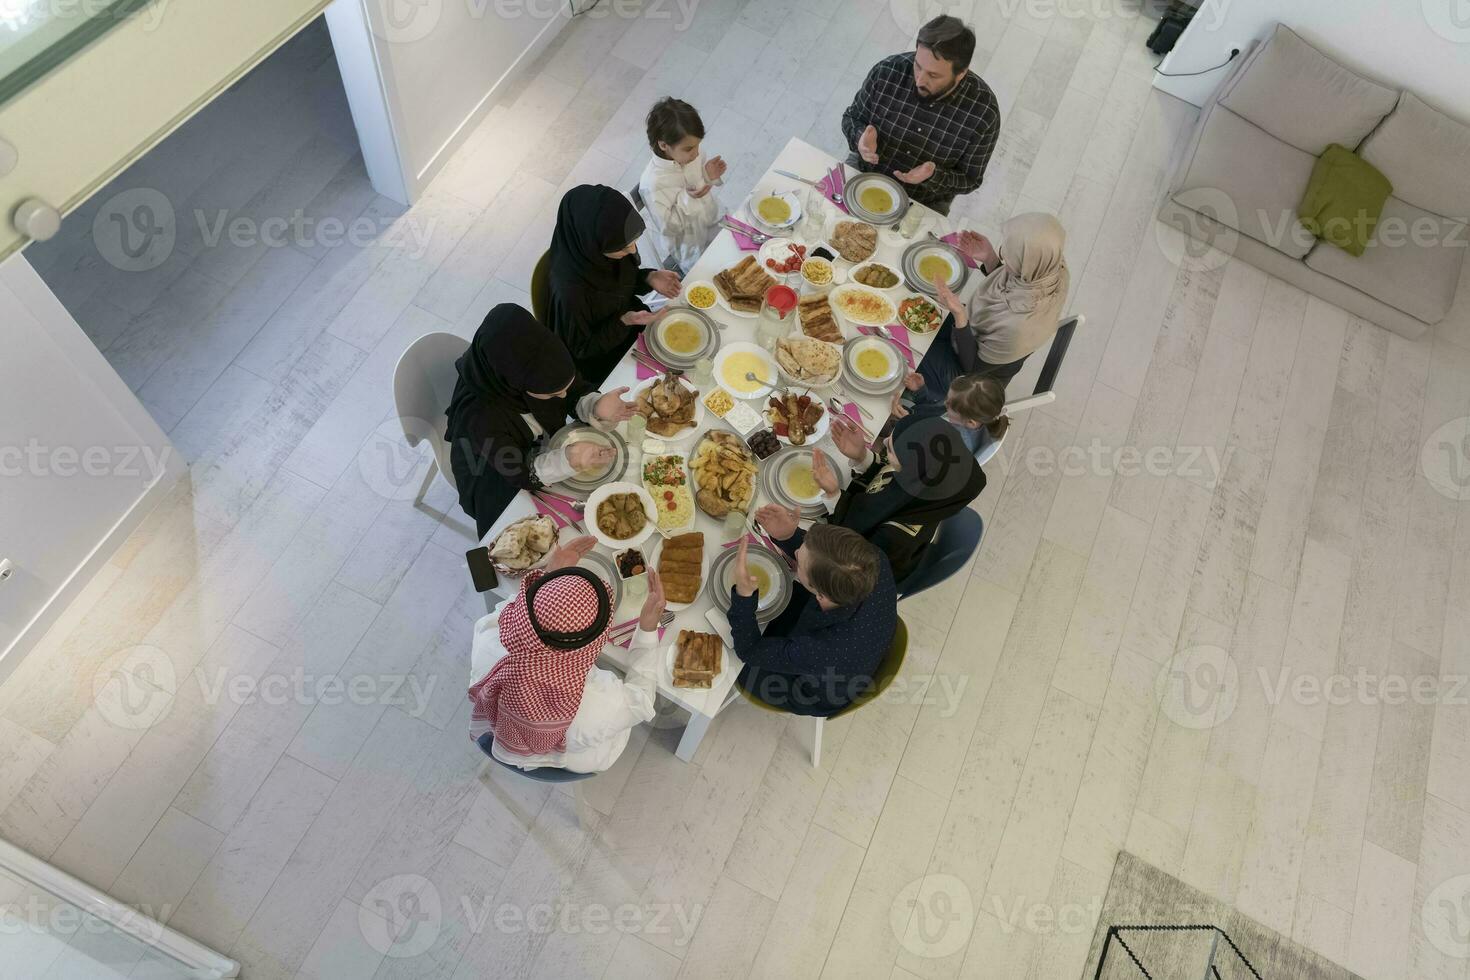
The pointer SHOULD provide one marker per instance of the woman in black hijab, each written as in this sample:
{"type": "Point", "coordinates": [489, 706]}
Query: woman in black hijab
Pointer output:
{"type": "Point", "coordinates": [922, 474]}
{"type": "Point", "coordinates": [596, 281]}
{"type": "Point", "coordinates": [518, 384]}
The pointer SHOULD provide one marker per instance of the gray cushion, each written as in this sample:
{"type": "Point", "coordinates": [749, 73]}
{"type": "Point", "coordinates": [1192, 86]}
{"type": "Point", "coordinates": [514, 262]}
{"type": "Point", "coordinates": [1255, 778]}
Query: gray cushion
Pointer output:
{"type": "Point", "coordinates": [1427, 156]}
{"type": "Point", "coordinates": [1303, 97]}
{"type": "Point", "coordinates": [1247, 179]}
{"type": "Point", "coordinates": [1413, 262]}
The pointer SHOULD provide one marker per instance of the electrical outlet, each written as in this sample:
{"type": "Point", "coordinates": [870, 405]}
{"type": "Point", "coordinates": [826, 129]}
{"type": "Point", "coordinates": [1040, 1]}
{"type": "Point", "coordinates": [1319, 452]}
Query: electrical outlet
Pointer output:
{"type": "Point", "coordinates": [7, 569]}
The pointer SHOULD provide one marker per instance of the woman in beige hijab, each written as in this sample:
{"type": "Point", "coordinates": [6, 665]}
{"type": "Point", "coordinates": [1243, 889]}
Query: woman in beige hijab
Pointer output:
{"type": "Point", "coordinates": [1015, 310]}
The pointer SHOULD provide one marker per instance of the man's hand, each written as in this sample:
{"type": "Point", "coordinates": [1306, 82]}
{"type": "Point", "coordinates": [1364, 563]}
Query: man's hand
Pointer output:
{"type": "Point", "coordinates": [780, 522]}
{"type": "Point", "coordinates": [745, 583]}
{"type": "Point", "coordinates": [570, 553]}
{"type": "Point", "coordinates": [611, 407]}
{"type": "Point", "coordinates": [667, 283]}
{"type": "Point", "coordinates": [824, 474]}
{"type": "Point", "coordinates": [979, 248]}
{"type": "Point", "coordinates": [954, 304]}
{"type": "Point", "coordinates": [848, 437]}
{"type": "Point", "coordinates": [715, 168]}
{"type": "Point", "coordinates": [867, 146]}
{"type": "Point", "coordinates": [638, 318]}
{"type": "Point", "coordinates": [654, 605]}
{"type": "Point", "coordinates": [917, 175]}
{"type": "Point", "coordinates": [583, 456]}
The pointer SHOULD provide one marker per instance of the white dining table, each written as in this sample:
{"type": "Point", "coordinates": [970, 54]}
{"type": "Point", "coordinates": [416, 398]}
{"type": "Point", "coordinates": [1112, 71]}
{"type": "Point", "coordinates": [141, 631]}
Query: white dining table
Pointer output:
{"type": "Point", "coordinates": [798, 157]}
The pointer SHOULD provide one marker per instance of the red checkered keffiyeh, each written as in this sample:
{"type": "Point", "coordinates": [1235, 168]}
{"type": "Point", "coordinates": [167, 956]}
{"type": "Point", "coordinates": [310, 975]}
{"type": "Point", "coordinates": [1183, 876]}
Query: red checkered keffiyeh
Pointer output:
{"type": "Point", "coordinates": [529, 698]}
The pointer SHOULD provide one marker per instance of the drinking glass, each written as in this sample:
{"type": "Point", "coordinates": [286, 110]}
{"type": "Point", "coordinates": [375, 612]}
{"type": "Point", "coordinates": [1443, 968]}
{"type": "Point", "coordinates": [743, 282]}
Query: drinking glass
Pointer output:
{"type": "Point", "coordinates": [813, 228]}
{"type": "Point", "coordinates": [734, 525]}
{"type": "Point", "coordinates": [637, 426]}
{"type": "Point", "coordinates": [703, 372]}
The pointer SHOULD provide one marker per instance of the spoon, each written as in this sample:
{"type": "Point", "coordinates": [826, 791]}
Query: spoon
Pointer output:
{"type": "Point", "coordinates": [750, 376]}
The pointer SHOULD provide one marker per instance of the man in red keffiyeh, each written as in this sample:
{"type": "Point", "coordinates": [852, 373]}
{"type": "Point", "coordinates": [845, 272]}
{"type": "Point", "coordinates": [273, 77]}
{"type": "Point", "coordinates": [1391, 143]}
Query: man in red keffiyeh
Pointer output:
{"type": "Point", "coordinates": [543, 699]}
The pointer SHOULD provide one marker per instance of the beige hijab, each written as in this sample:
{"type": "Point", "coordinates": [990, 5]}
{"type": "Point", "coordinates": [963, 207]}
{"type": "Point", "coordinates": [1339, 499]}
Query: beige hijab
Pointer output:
{"type": "Point", "coordinates": [1019, 306]}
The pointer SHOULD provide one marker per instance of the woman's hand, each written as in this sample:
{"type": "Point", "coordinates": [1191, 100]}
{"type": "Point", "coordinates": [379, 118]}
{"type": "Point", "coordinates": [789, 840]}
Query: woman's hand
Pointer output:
{"type": "Point", "coordinates": [611, 407]}
{"type": "Point", "coordinates": [745, 583]}
{"type": "Point", "coordinates": [954, 304]}
{"type": "Point", "coordinates": [780, 522]}
{"type": "Point", "coordinates": [588, 456]}
{"type": "Point", "coordinates": [638, 318]}
{"type": "Point", "coordinates": [654, 605]}
{"type": "Point", "coordinates": [570, 553]}
{"type": "Point", "coordinates": [824, 474]}
{"type": "Point", "coordinates": [714, 169]}
{"type": "Point", "coordinates": [665, 282]}
{"type": "Point", "coordinates": [848, 437]}
{"type": "Point", "coordinates": [979, 248]}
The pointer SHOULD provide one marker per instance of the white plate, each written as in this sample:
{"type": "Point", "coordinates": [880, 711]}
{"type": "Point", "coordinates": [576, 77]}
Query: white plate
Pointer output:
{"type": "Point", "coordinates": [772, 370]}
{"type": "Point", "coordinates": [879, 295]}
{"type": "Point", "coordinates": [666, 663]}
{"type": "Point", "coordinates": [797, 456]}
{"type": "Point", "coordinates": [657, 494]}
{"type": "Point", "coordinates": [792, 381]}
{"type": "Point", "coordinates": [824, 425]}
{"type": "Point", "coordinates": [789, 197]}
{"type": "Point", "coordinates": [601, 494]}
{"type": "Point", "coordinates": [896, 364]}
{"type": "Point", "coordinates": [688, 432]}
{"type": "Point", "coordinates": [778, 249]}
{"type": "Point", "coordinates": [896, 288]}
{"type": "Point", "coordinates": [655, 550]}
{"type": "Point", "coordinates": [780, 578]}
{"type": "Point", "coordinates": [700, 282]}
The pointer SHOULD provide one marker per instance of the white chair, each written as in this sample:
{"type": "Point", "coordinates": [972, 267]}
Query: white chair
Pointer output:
{"type": "Point", "coordinates": [1045, 391]}
{"type": "Point", "coordinates": [423, 383]}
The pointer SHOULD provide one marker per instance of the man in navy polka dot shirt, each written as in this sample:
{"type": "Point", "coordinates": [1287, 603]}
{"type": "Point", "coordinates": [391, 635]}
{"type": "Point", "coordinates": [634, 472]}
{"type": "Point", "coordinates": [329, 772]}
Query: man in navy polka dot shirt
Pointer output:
{"type": "Point", "coordinates": [822, 651]}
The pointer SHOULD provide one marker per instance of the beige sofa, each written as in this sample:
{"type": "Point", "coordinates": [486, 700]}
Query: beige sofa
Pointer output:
{"type": "Point", "coordinates": [1247, 164]}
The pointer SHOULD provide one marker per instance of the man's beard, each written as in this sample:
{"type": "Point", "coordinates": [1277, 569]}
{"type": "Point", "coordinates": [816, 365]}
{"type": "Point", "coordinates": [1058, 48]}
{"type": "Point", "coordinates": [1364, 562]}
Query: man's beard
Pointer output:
{"type": "Point", "coordinates": [937, 95]}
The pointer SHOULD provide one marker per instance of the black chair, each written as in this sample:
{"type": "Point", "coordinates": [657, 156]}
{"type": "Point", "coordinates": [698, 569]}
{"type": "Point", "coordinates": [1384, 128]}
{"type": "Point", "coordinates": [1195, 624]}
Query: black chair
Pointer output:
{"type": "Point", "coordinates": [546, 774]}
{"type": "Point", "coordinates": [956, 540]}
{"type": "Point", "coordinates": [541, 289]}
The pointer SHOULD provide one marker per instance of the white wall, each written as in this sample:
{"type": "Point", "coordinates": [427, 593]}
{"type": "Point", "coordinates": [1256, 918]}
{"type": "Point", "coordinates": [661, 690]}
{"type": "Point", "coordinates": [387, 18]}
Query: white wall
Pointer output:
{"type": "Point", "coordinates": [420, 75]}
{"type": "Point", "coordinates": [80, 459]}
{"type": "Point", "coordinates": [1423, 45]}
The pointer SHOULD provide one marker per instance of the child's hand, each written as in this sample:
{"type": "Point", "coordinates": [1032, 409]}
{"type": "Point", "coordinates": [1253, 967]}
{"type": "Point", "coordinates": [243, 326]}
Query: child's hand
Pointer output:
{"type": "Point", "coordinates": [714, 169]}
{"type": "Point", "coordinates": [696, 195]}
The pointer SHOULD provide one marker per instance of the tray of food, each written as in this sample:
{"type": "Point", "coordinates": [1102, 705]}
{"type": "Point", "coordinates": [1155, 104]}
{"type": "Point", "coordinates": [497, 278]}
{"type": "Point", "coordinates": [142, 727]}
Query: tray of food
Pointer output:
{"type": "Point", "coordinates": [817, 319]}
{"type": "Point", "coordinates": [854, 240]}
{"type": "Point", "coordinates": [683, 565]}
{"type": "Point", "coordinates": [875, 275]}
{"type": "Point", "coordinates": [724, 471]}
{"type": "Point", "coordinates": [807, 361]}
{"type": "Point", "coordinates": [585, 481]}
{"type": "Point", "coordinates": [694, 660]}
{"type": "Point", "coordinates": [781, 256]}
{"type": "Point", "coordinates": [666, 478]}
{"type": "Point", "coordinates": [920, 314]}
{"type": "Point", "coordinates": [523, 545]}
{"type": "Point", "coordinates": [862, 306]}
{"type": "Point", "coordinates": [620, 515]}
{"type": "Point", "coordinates": [671, 405]}
{"type": "Point", "coordinates": [742, 287]}
{"type": "Point", "coordinates": [797, 419]}
{"type": "Point", "coordinates": [773, 580]}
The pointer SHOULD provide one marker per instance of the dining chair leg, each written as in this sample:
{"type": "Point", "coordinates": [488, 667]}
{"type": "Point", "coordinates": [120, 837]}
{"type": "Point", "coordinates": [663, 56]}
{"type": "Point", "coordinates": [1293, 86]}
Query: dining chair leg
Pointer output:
{"type": "Point", "coordinates": [693, 735]}
{"type": "Point", "coordinates": [428, 482]}
{"type": "Point", "coordinates": [809, 733]}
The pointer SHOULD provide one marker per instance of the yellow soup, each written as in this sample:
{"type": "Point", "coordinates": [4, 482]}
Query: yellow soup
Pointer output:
{"type": "Point", "coordinates": [762, 579]}
{"type": "Point", "coordinates": [681, 337]}
{"type": "Point", "coordinates": [876, 200]}
{"type": "Point", "coordinates": [774, 210]}
{"type": "Point", "coordinates": [801, 482]}
{"type": "Point", "coordinates": [935, 269]}
{"type": "Point", "coordinates": [736, 366]}
{"type": "Point", "coordinates": [872, 363]}
{"type": "Point", "coordinates": [701, 297]}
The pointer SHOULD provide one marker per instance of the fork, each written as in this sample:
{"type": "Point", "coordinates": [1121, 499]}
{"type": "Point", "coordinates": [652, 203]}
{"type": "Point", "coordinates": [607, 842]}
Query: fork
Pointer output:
{"type": "Point", "coordinates": [835, 197]}
{"type": "Point", "coordinates": [759, 237]}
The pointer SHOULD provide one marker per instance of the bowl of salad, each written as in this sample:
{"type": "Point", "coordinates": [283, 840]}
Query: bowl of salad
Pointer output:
{"type": "Point", "coordinates": [920, 314]}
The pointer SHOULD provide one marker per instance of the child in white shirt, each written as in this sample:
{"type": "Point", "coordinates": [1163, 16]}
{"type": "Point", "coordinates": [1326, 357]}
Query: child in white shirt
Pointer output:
{"type": "Point", "coordinates": [678, 183]}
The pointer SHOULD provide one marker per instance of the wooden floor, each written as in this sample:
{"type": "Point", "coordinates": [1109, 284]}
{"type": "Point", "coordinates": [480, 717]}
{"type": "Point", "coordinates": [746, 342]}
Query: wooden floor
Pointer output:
{"type": "Point", "coordinates": [1119, 669]}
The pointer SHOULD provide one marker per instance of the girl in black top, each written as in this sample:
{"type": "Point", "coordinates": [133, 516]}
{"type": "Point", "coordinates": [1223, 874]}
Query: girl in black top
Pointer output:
{"type": "Point", "coordinates": [595, 279]}
{"type": "Point", "coordinates": [517, 384]}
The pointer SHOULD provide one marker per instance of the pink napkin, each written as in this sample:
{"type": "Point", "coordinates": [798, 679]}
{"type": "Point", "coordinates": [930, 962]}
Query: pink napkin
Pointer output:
{"type": "Point", "coordinates": [901, 334]}
{"type": "Point", "coordinates": [953, 238]}
{"type": "Point", "coordinates": [834, 183]}
{"type": "Point", "coordinates": [627, 642]}
{"type": "Point", "coordinates": [753, 539]}
{"type": "Point", "coordinates": [744, 242]}
{"type": "Point", "coordinates": [851, 410]}
{"type": "Point", "coordinates": [564, 515]}
{"type": "Point", "coordinates": [644, 373]}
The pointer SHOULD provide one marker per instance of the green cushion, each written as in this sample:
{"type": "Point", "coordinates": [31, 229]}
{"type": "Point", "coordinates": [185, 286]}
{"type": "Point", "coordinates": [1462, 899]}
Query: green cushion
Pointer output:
{"type": "Point", "coordinates": [1344, 199]}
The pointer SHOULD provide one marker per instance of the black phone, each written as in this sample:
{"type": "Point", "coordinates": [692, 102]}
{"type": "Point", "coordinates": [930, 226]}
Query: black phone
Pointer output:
{"type": "Point", "coordinates": [482, 572]}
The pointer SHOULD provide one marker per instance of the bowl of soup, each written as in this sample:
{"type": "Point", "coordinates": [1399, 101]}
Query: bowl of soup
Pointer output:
{"type": "Point", "coordinates": [928, 263]}
{"type": "Point", "coordinates": [741, 358]}
{"type": "Point", "coordinates": [775, 209]}
{"type": "Point", "coordinates": [875, 198]}
{"type": "Point", "coordinates": [681, 335]}
{"type": "Point", "coordinates": [872, 365]}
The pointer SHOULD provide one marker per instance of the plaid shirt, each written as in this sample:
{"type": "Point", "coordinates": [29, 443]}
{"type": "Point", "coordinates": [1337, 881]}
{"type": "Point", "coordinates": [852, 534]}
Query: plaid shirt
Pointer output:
{"type": "Point", "coordinates": [956, 131]}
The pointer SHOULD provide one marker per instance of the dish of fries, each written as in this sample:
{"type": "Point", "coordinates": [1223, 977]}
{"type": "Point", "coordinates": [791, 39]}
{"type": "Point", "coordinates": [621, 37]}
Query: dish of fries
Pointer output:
{"type": "Point", "coordinates": [724, 474]}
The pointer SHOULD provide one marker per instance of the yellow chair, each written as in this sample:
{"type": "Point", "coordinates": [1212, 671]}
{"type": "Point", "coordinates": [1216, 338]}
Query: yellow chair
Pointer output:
{"type": "Point", "coordinates": [887, 670]}
{"type": "Point", "coordinates": [541, 289]}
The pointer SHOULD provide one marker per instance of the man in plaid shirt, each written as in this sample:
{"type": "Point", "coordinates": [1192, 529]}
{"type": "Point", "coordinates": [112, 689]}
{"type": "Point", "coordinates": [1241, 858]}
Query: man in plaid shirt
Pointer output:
{"type": "Point", "coordinates": [925, 117]}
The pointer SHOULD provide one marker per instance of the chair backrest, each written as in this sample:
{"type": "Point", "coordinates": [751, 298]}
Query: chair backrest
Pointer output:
{"type": "Point", "coordinates": [636, 196]}
{"type": "Point", "coordinates": [887, 670]}
{"type": "Point", "coordinates": [541, 289]}
{"type": "Point", "coordinates": [423, 383]}
{"type": "Point", "coordinates": [1046, 382]}
{"type": "Point", "coordinates": [545, 774]}
{"type": "Point", "coordinates": [956, 540]}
